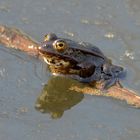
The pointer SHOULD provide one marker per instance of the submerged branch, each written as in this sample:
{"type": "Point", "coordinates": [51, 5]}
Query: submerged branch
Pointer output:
{"type": "Point", "coordinates": [14, 38]}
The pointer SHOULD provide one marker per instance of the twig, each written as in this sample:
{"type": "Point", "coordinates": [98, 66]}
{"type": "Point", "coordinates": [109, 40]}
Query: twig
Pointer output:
{"type": "Point", "coordinates": [115, 92]}
{"type": "Point", "coordinates": [14, 38]}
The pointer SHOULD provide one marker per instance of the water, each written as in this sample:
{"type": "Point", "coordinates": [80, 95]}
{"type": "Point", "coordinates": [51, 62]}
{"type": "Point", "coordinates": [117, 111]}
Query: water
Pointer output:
{"type": "Point", "coordinates": [113, 26]}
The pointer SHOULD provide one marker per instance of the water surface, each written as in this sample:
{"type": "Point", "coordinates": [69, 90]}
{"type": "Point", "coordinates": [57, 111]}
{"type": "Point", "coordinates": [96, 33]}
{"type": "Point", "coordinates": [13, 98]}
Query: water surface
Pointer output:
{"type": "Point", "coordinates": [26, 105]}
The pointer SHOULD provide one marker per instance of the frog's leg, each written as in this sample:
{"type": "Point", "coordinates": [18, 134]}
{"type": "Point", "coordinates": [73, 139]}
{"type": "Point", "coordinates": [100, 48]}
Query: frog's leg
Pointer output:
{"type": "Point", "coordinates": [86, 69]}
{"type": "Point", "coordinates": [108, 83]}
{"type": "Point", "coordinates": [87, 75]}
{"type": "Point", "coordinates": [113, 81]}
{"type": "Point", "coordinates": [117, 70]}
{"type": "Point", "coordinates": [111, 75]}
{"type": "Point", "coordinates": [96, 76]}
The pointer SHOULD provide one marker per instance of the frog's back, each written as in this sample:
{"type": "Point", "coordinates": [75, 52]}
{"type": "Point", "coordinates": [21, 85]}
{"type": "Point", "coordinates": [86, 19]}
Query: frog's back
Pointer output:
{"type": "Point", "coordinates": [84, 46]}
{"type": "Point", "coordinates": [91, 47]}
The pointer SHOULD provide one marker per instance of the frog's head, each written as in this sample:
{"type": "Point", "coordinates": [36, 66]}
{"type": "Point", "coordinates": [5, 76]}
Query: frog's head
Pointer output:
{"type": "Point", "coordinates": [59, 52]}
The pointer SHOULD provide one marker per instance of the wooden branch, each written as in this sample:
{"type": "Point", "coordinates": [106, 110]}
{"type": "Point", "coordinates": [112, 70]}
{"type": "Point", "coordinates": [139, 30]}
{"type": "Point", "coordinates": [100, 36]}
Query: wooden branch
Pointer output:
{"type": "Point", "coordinates": [115, 92]}
{"type": "Point", "coordinates": [14, 38]}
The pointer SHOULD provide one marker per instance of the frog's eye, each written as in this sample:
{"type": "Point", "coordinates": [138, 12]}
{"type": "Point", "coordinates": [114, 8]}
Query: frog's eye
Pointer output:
{"type": "Point", "coordinates": [60, 45]}
{"type": "Point", "coordinates": [50, 36]}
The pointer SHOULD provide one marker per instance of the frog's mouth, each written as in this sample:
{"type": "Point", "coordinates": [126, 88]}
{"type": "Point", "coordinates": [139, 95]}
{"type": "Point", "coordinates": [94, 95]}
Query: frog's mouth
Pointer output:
{"type": "Point", "coordinates": [53, 61]}
{"type": "Point", "coordinates": [58, 60]}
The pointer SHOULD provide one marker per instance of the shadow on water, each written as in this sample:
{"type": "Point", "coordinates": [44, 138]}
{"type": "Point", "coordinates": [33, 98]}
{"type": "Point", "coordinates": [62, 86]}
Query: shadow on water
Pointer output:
{"type": "Point", "coordinates": [55, 98]}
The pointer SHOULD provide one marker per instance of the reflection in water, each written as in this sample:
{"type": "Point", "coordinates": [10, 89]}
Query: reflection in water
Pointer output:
{"type": "Point", "coordinates": [55, 97]}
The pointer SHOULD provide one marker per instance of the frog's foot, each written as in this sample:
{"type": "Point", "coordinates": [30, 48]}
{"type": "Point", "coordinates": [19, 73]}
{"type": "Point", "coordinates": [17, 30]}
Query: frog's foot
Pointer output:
{"type": "Point", "coordinates": [118, 84]}
{"type": "Point", "coordinates": [117, 71]}
{"type": "Point", "coordinates": [111, 82]}
{"type": "Point", "coordinates": [111, 75]}
{"type": "Point", "coordinates": [108, 83]}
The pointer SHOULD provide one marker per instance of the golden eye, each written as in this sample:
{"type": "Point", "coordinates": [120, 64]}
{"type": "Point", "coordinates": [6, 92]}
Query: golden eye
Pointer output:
{"type": "Point", "coordinates": [50, 36]}
{"type": "Point", "coordinates": [60, 45]}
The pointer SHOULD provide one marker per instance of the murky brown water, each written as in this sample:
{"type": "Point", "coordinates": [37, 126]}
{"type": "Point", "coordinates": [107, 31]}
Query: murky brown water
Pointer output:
{"type": "Point", "coordinates": [111, 25]}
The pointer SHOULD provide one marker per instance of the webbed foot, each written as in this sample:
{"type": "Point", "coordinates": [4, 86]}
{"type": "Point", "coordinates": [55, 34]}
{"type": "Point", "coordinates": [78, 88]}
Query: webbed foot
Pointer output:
{"type": "Point", "coordinates": [111, 75]}
{"type": "Point", "coordinates": [111, 82]}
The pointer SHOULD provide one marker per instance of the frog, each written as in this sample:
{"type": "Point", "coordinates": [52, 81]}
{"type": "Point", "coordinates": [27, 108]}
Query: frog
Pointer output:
{"type": "Point", "coordinates": [79, 60]}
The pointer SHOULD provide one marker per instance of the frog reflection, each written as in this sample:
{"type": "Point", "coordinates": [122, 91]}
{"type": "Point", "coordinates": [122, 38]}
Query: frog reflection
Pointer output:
{"type": "Point", "coordinates": [56, 97]}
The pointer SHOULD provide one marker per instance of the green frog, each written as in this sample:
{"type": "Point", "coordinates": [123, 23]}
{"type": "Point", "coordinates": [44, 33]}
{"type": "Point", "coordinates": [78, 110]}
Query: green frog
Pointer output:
{"type": "Point", "coordinates": [79, 60]}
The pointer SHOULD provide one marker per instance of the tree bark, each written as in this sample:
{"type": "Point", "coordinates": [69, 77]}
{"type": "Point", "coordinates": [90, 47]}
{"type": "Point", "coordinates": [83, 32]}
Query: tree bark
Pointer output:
{"type": "Point", "coordinates": [14, 38]}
